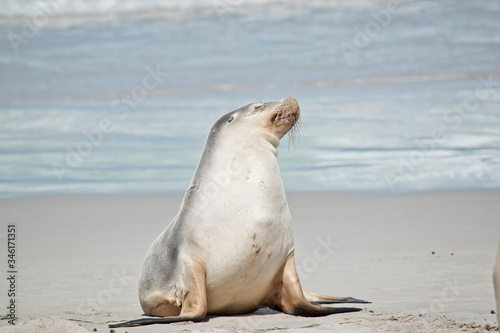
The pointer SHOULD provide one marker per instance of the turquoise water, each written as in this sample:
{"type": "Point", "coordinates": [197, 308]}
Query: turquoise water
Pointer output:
{"type": "Point", "coordinates": [105, 97]}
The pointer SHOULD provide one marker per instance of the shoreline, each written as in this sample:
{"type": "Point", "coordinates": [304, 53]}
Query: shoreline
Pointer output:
{"type": "Point", "coordinates": [79, 258]}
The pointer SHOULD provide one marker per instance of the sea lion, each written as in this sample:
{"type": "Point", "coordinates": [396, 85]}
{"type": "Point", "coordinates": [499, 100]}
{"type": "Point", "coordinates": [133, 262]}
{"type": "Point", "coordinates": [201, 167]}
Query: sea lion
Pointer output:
{"type": "Point", "coordinates": [230, 248]}
{"type": "Point", "coordinates": [496, 283]}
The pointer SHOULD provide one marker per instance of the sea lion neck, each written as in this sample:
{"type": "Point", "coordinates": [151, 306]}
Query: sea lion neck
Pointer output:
{"type": "Point", "coordinates": [272, 141]}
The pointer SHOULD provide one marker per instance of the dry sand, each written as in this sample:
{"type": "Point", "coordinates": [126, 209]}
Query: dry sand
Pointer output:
{"type": "Point", "coordinates": [78, 261]}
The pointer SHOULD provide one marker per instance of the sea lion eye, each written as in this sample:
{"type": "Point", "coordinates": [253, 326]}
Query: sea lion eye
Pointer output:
{"type": "Point", "coordinates": [230, 119]}
{"type": "Point", "coordinates": [256, 107]}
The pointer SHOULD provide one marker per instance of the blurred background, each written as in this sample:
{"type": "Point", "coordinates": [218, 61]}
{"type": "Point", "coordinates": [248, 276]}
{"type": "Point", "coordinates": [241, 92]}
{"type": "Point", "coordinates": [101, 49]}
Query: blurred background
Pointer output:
{"type": "Point", "coordinates": [118, 96]}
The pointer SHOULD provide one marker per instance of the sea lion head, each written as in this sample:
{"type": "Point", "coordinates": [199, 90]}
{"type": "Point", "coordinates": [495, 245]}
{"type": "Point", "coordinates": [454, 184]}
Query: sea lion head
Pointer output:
{"type": "Point", "coordinates": [271, 119]}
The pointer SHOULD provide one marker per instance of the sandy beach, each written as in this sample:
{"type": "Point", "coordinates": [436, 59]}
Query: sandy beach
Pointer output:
{"type": "Point", "coordinates": [106, 106]}
{"type": "Point", "coordinates": [424, 260]}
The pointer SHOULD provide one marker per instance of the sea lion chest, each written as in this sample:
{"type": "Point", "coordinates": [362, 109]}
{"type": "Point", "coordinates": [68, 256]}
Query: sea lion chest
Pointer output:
{"type": "Point", "coordinates": [241, 231]}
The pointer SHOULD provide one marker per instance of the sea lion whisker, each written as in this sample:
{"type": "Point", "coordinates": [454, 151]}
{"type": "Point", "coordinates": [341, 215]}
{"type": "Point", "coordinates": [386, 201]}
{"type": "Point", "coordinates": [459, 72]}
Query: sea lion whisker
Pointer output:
{"type": "Point", "coordinates": [294, 133]}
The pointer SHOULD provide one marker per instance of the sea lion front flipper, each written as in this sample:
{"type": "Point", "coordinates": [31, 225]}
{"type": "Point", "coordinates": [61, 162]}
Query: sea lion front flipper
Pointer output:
{"type": "Point", "coordinates": [316, 298]}
{"type": "Point", "coordinates": [289, 297]}
{"type": "Point", "coordinates": [194, 304]}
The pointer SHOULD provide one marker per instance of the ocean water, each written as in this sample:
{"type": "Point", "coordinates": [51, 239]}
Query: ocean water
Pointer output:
{"type": "Point", "coordinates": [118, 96]}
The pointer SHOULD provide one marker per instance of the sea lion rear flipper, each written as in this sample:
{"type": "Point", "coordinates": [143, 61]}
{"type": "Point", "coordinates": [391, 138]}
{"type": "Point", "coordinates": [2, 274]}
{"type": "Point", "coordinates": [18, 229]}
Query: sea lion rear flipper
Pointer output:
{"type": "Point", "coordinates": [316, 298]}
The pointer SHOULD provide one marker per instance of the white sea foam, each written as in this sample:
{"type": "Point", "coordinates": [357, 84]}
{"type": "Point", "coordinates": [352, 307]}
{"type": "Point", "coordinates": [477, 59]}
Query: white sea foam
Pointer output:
{"type": "Point", "coordinates": [22, 8]}
{"type": "Point", "coordinates": [363, 123]}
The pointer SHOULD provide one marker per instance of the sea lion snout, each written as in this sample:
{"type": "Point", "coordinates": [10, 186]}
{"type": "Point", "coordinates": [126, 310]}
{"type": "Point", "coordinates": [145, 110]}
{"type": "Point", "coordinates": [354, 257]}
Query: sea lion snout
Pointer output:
{"type": "Point", "coordinates": [283, 116]}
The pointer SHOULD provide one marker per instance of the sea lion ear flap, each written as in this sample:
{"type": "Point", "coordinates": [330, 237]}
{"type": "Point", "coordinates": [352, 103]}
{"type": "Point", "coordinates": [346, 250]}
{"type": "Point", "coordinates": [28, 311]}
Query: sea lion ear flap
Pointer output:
{"type": "Point", "coordinates": [258, 106]}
